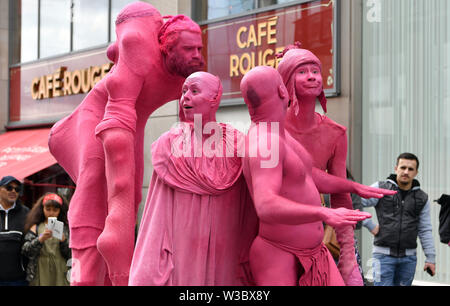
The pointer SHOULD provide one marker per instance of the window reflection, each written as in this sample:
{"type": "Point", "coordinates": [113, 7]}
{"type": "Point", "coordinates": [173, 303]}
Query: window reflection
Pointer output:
{"type": "Point", "coordinates": [116, 7]}
{"type": "Point", "coordinates": [221, 8]}
{"type": "Point", "coordinates": [90, 23]}
{"type": "Point", "coordinates": [211, 9]}
{"type": "Point", "coordinates": [29, 31]}
{"type": "Point", "coordinates": [55, 27]}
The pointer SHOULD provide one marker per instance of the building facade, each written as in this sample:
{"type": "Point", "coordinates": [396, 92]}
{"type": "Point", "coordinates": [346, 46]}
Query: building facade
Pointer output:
{"type": "Point", "coordinates": [386, 75]}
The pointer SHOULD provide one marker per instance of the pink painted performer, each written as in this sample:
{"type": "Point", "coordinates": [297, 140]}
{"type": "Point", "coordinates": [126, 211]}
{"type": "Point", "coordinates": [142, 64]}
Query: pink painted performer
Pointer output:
{"type": "Point", "coordinates": [288, 249]}
{"type": "Point", "coordinates": [100, 144]}
{"type": "Point", "coordinates": [324, 139]}
{"type": "Point", "coordinates": [199, 220]}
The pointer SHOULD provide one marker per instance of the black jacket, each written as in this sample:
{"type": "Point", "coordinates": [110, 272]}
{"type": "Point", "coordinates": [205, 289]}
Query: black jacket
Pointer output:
{"type": "Point", "coordinates": [11, 240]}
{"type": "Point", "coordinates": [399, 218]}
{"type": "Point", "coordinates": [444, 218]}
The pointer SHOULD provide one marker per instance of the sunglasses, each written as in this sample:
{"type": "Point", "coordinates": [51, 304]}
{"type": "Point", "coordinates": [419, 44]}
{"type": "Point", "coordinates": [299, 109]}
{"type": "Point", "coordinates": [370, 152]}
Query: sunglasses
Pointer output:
{"type": "Point", "coordinates": [11, 188]}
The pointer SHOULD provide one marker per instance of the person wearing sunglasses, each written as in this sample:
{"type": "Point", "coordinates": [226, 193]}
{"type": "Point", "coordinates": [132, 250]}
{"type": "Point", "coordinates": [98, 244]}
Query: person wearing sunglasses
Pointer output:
{"type": "Point", "coordinates": [12, 221]}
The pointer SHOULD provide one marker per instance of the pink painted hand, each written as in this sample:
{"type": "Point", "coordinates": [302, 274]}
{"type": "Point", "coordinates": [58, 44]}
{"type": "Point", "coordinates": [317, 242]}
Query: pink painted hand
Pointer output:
{"type": "Point", "coordinates": [284, 193]}
{"type": "Point", "coordinates": [341, 217]}
{"type": "Point", "coordinates": [323, 139]}
{"type": "Point", "coordinates": [370, 192]}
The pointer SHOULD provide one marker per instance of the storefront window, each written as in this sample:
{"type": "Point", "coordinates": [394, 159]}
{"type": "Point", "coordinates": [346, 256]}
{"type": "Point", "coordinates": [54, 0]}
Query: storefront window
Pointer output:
{"type": "Point", "coordinates": [54, 27]}
{"type": "Point", "coordinates": [46, 28]}
{"type": "Point", "coordinates": [90, 23]}
{"type": "Point", "coordinates": [212, 9]}
{"type": "Point", "coordinates": [221, 8]}
{"type": "Point", "coordinates": [116, 7]}
{"type": "Point", "coordinates": [29, 37]}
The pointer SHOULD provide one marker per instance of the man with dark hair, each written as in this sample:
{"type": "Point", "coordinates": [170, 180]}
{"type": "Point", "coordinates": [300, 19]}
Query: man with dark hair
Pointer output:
{"type": "Point", "coordinates": [12, 220]}
{"type": "Point", "coordinates": [402, 217]}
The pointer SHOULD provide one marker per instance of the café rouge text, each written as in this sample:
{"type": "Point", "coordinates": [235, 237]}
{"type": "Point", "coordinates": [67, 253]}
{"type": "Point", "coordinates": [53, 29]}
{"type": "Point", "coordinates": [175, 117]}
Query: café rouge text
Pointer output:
{"type": "Point", "coordinates": [65, 83]}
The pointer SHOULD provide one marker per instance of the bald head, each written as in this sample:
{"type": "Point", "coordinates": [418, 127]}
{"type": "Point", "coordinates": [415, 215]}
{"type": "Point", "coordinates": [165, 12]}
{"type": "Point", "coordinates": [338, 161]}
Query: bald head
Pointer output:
{"type": "Point", "coordinates": [201, 93]}
{"type": "Point", "coordinates": [263, 91]}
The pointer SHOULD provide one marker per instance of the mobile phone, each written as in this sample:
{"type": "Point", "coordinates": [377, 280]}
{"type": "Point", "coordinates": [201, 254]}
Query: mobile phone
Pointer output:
{"type": "Point", "coordinates": [51, 223]}
{"type": "Point", "coordinates": [429, 271]}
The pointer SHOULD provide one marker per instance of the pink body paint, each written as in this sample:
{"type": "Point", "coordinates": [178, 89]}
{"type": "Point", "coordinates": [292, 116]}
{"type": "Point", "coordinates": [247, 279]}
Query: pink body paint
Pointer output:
{"type": "Point", "coordinates": [288, 250]}
{"type": "Point", "coordinates": [199, 220]}
{"type": "Point", "coordinates": [324, 139]}
{"type": "Point", "coordinates": [100, 144]}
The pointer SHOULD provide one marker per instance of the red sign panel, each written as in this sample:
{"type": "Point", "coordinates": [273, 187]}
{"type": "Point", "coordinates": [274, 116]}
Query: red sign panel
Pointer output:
{"type": "Point", "coordinates": [233, 47]}
{"type": "Point", "coordinates": [48, 90]}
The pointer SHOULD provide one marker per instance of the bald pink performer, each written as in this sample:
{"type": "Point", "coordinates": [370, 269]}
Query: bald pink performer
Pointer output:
{"type": "Point", "coordinates": [199, 220]}
{"type": "Point", "coordinates": [100, 144]}
{"type": "Point", "coordinates": [288, 249]}
{"type": "Point", "coordinates": [324, 139]}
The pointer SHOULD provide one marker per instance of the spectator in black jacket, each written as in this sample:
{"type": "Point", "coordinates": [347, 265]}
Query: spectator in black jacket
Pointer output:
{"type": "Point", "coordinates": [12, 221]}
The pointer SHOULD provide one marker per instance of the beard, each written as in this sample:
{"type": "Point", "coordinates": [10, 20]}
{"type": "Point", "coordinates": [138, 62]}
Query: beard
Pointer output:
{"type": "Point", "coordinates": [177, 65]}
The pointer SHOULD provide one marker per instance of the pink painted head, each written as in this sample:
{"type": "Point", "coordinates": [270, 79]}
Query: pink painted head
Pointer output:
{"type": "Point", "coordinates": [265, 94]}
{"type": "Point", "coordinates": [298, 68]}
{"type": "Point", "coordinates": [181, 44]}
{"type": "Point", "coordinates": [201, 94]}
{"type": "Point", "coordinates": [136, 9]}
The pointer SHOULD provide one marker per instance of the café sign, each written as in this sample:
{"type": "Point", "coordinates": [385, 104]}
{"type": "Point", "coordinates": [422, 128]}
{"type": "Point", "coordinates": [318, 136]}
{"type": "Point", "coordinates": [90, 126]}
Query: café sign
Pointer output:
{"type": "Point", "coordinates": [48, 90]}
{"type": "Point", "coordinates": [234, 46]}
{"type": "Point", "coordinates": [65, 83]}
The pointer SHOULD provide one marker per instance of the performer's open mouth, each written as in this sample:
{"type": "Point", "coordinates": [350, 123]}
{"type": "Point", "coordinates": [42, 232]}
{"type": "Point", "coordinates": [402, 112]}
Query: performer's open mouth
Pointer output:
{"type": "Point", "coordinates": [187, 107]}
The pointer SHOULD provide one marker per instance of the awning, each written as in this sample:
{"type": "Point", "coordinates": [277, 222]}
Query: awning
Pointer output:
{"type": "Point", "coordinates": [24, 152]}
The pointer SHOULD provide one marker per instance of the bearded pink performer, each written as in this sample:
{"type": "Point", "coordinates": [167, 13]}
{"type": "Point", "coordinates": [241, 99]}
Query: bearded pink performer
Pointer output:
{"type": "Point", "coordinates": [100, 144]}
{"type": "Point", "coordinates": [324, 139]}
{"type": "Point", "coordinates": [199, 220]}
{"type": "Point", "coordinates": [288, 249]}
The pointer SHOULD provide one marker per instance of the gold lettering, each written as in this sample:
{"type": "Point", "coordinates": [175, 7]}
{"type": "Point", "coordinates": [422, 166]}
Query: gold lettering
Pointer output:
{"type": "Point", "coordinates": [272, 31]}
{"type": "Point", "coordinates": [95, 75]}
{"type": "Point", "coordinates": [75, 81]}
{"type": "Point", "coordinates": [252, 37]}
{"type": "Point", "coordinates": [49, 86]}
{"type": "Point", "coordinates": [238, 37]}
{"type": "Point", "coordinates": [67, 80]}
{"type": "Point", "coordinates": [265, 61]}
{"type": "Point", "coordinates": [64, 83]}
{"type": "Point", "coordinates": [234, 65]}
{"type": "Point", "coordinates": [58, 82]}
{"type": "Point", "coordinates": [35, 88]}
{"type": "Point", "coordinates": [244, 57]}
{"type": "Point", "coordinates": [261, 32]}
{"type": "Point", "coordinates": [85, 80]}
{"type": "Point", "coordinates": [42, 89]}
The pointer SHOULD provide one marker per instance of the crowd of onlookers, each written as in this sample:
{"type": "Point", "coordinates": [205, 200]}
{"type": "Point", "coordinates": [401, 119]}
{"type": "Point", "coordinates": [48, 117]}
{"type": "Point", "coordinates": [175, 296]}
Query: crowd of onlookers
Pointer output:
{"type": "Point", "coordinates": [29, 252]}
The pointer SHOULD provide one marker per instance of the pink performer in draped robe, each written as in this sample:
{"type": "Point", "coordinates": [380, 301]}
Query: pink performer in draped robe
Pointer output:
{"type": "Point", "coordinates": [100, 144]}
{"type": "Point", "coordinates": [288, 249]}
{"type": "Point", "coordinates": [199, 220]}
{"type": "Point", "coordinates": [324, 139]}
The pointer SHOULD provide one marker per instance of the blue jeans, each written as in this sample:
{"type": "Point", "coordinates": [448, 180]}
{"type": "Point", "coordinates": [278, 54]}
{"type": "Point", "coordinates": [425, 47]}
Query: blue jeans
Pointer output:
{"type": "Point", "coordinates": [393, 271]}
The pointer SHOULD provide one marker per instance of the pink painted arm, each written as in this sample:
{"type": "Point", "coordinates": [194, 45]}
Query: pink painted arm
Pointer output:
{"type": "Point", "coordinates": [327, 183]}
{"type": "Point", "coordinates": [271, 207]}
{"type": "Point", "coordinates": [337, 165]}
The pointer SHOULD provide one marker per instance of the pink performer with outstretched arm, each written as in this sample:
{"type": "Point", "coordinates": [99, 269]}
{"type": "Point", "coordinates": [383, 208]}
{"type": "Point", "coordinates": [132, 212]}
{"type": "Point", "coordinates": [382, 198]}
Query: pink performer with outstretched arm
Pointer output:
{"type": "Point", "coordinates": [324, 139]}
{"type": "Point", "coordinates": [100, 144]}
{"type": "Point", "coordinates": [199, 219]}
{"type": "Point", "coordinates": [285, 189]}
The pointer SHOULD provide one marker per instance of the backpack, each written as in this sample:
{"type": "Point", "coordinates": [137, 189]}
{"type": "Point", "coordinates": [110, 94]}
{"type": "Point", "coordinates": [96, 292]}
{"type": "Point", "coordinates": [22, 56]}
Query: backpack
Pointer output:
{"type": "Point", "coordinates": [444, 218]}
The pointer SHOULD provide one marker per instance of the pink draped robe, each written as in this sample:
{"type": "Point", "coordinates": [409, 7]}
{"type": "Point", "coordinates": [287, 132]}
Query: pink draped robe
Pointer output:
{"type": "Point", "coordinates": [199, 220]}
